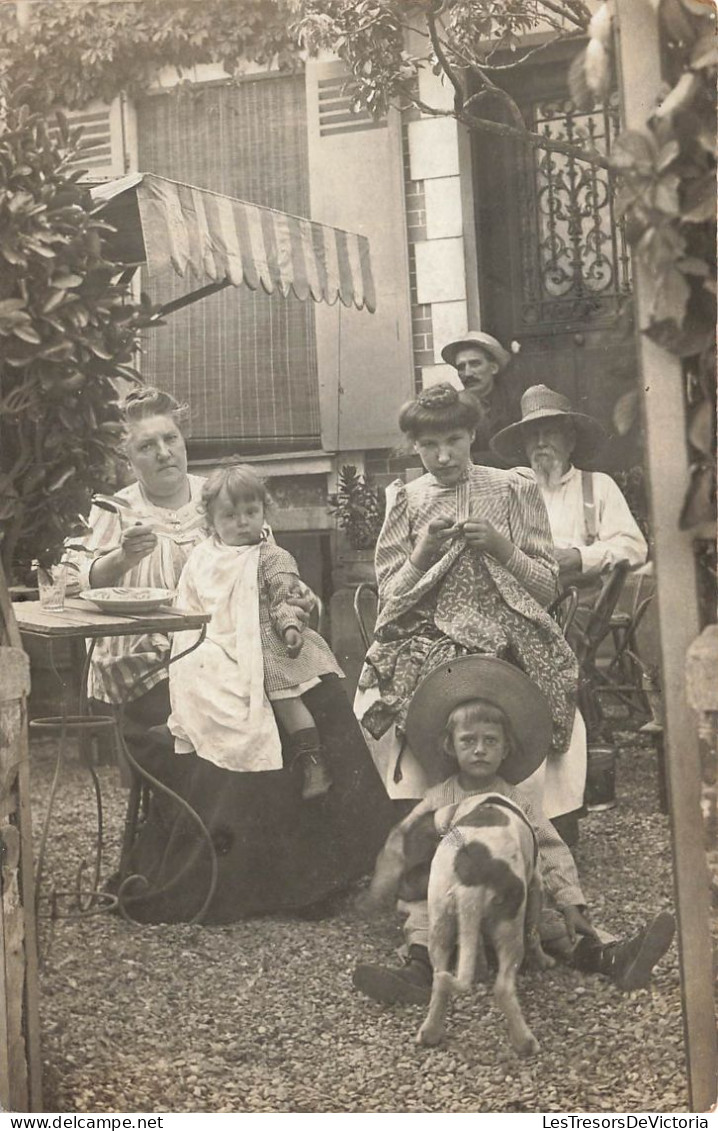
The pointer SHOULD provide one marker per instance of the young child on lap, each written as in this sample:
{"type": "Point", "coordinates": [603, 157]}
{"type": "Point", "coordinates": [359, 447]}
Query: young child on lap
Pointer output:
{"type": "Point", "coordinates": [486, 721]}
{"type": "Point", "coordinates": [256, 647]}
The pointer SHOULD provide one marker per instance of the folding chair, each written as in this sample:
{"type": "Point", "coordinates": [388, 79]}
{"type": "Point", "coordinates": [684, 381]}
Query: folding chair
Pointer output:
{"type": "Point", "coordinates": [586, 640]}
{"type": "Point", "coordinates": [625, 674]}
{"type": "Point", "coordinates": [563, 609]}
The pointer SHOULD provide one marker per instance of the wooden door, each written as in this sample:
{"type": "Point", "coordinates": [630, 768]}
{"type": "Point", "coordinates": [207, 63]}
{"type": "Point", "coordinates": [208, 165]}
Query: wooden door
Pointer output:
{"type": "Point", "coordinates": [554, 269]}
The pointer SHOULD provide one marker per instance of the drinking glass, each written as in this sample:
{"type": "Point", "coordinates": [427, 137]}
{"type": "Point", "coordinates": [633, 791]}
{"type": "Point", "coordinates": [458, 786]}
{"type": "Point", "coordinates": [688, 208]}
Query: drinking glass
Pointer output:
{"type": "Point", "coordinates": [51, 585]}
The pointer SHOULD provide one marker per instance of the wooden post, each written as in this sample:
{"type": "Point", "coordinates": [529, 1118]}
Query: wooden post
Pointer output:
{"type": "Point", "coordinates": [20, 1064]}
{"type": "Point", "coordinates": [668, 474]}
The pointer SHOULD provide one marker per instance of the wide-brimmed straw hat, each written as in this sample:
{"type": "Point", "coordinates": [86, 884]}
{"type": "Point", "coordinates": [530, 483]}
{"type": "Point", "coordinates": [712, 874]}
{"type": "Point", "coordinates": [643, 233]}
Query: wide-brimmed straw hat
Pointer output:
{"type": "Point", "coordinates": [479, 677]}
{"type": "Point", "coordinates": [541, 403]}
{"type": "Point", "coordinates": [483, 341]}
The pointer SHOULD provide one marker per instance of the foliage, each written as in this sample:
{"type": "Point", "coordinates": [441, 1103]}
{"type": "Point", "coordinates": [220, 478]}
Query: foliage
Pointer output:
{"type": "Point", "coordinates": [632, 482]}
{"type": "Point", "coordinates": [666, 195]}
{"type": "Point", "coordinates": [358, 507]}
{"type": "Point", "coordinates": [73, 51]}
{"type": "Point", "coordinates": [66, 329]}
{"type": "Point", "coordinates": [472, 44]}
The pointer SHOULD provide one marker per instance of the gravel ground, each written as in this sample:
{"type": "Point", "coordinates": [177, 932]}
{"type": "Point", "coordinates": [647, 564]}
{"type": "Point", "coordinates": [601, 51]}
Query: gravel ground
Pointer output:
{"type": "Point", "coordinates": [261, 1016]}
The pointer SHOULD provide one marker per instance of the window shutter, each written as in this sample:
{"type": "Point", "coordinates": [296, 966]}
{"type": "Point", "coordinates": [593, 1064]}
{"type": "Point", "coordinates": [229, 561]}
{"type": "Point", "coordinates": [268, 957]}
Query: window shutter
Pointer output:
{"type": "Point", "coordinates": [356, 182]}
{"type": "Point", "coordinates": [102, 143]}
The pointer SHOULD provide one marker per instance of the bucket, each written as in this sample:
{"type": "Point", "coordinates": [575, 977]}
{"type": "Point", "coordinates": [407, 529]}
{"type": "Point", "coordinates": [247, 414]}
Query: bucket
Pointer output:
{"type": "Point", "coordinates": [601, 779]}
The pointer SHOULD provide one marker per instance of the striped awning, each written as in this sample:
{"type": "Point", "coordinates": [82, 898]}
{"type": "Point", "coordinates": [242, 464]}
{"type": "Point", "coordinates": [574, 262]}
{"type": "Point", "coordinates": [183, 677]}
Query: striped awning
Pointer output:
{"type": "Point", "coordinates": [214, 241]}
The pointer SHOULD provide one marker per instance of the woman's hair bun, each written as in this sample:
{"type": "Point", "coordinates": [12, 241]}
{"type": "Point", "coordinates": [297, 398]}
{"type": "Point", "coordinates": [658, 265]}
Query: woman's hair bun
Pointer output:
{"type": "Point", "coordinates": [438, 396]}
{"type": "Point", "coordinates": [439, 406]}
{"type": "Point", "coordinates": [146, 401]}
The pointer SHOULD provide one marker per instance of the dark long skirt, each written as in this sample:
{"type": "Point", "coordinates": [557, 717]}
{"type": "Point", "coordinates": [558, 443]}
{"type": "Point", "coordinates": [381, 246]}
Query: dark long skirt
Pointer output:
{"type": "Point", "coordinates": [274, 851]}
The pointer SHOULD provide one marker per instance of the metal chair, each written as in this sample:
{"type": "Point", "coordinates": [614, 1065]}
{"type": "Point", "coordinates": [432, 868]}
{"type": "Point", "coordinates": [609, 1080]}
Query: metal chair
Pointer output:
{"type": "Point", "coordinates": [563, 609]}
{"type": "Point", "coordinates": [366, 603]}
{"type": "Point", "coordinates": [588, 634]}
{"type": "Point", "coordinates": [627, 675]}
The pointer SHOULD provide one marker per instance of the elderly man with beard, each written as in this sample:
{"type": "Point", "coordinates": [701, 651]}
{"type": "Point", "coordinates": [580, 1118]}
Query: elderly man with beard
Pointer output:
{"type": "Point", "coordinates": [591, 524]}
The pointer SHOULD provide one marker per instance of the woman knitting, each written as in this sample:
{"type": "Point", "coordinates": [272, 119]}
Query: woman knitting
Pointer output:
{"type": "Point", "coordinates": [464, 565]}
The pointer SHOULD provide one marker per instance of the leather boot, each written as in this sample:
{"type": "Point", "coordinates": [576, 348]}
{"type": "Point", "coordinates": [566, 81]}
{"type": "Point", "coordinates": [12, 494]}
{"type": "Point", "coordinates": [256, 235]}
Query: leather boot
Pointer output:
{"type": "Point", "coordinates": [629, 962]}
{"type": "Point", "coordinates": [305, 751]}
{"type": "Point", "coordinates": [409, 984]}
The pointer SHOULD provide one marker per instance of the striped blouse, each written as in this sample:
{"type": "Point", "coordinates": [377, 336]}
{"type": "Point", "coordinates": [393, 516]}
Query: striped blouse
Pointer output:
{"type": "Point", "coordinates": [512, 503]}
{"type": "Point", "coordinates": [119, 661]}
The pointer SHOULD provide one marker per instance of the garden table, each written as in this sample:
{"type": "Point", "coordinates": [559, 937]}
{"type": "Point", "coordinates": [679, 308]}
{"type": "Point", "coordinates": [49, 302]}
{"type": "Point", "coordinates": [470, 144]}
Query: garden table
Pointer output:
{"type": "Point", "coordinates": [81, 625]}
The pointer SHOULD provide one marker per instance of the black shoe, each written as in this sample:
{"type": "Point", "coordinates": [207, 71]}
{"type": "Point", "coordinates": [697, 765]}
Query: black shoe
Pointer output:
{"type": "Point", "coordinates": [409, 984]}
{"type": "Point", "coordinates": [630, 963]}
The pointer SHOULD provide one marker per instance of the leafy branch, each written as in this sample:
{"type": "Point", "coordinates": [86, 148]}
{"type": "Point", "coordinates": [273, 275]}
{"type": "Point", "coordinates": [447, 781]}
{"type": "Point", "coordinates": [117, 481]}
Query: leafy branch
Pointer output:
{"type": "Point", "coordinates": [665, 176]}
{"type": "Point", "coordinates": [67, 331]}
{"type": "Point", "coordinates": [74, 51]}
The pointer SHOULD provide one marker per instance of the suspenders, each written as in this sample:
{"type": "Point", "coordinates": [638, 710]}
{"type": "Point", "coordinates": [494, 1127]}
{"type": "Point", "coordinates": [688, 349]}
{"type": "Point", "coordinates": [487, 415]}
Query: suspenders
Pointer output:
{"type": "Point", "coordinates": [589, 507]}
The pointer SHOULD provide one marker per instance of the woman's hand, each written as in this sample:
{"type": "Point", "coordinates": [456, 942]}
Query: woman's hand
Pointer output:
{"type": "Point", "coordinates": [136, 543]}
{"type": "Point", "coordinates": [483, 535]}
{"type": "Point", "coordinates": [577, 923]}
{"type": "Point", "coordinates": [293, 641]}
{"type": "Point", "coordinates": [301, 598]}
{"type": "Point", "coordinates": [432, 542]}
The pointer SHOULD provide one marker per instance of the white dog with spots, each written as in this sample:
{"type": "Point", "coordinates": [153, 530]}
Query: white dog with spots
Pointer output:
{"type": "Point", "coordinates": [484, 884]}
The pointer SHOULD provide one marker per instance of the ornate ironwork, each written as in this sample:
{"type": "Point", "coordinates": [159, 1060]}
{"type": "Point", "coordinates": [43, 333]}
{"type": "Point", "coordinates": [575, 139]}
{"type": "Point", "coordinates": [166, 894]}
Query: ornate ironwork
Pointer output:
{"type": "Point", "coordinates": [576, 265]}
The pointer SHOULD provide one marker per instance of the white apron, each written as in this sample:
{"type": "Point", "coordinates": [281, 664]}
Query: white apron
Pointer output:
{"type": "Point", "coordinates": [219, 707]}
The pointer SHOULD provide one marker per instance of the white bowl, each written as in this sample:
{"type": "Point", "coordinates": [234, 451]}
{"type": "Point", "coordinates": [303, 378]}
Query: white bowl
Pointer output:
{"type": "Point", "coordinates": [125, 599]}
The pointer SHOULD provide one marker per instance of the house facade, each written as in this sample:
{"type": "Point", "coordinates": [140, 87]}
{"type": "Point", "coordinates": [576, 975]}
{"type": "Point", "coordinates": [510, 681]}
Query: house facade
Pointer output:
{"type": "Point", "coordinates": [465, 230]}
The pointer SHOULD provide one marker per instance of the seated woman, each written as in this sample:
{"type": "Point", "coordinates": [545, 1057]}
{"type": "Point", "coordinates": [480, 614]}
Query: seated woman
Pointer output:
{"type": "Point", "coordinates": [465, 565]}
{"type": "Point", "coordinates": [273, 850]}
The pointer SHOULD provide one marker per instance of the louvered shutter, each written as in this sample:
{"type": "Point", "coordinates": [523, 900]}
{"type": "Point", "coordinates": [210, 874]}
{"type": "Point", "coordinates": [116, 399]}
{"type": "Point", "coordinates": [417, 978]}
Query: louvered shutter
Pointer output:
{"type": "Point", "coordinates": [102, 144]}
{"type": "Point", "coordinates": [356, 182]}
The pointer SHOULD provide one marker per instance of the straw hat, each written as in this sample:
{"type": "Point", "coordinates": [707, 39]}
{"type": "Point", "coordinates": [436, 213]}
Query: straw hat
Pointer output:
{"type": "Point", "coordinates": [479, 677]}
{"type": "Point", "coordinates": [541, 403]}
{"type": "Point", "coordinates": [483, 341]}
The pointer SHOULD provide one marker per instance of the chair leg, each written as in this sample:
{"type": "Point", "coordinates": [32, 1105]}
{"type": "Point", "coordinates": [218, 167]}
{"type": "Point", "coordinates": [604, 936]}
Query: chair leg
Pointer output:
{"type": "Point", "coordinates": [131, 820]}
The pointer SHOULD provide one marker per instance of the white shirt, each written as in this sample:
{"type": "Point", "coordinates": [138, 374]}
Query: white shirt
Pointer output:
{"type": "Point", "coordinates": [618, 537]}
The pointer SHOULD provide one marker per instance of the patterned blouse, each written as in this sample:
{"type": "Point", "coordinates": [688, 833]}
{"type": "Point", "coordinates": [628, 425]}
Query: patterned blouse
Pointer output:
{"type": "Point", "coordinates": [467, 602]}
{"type": "Point", "coordinates": [512, 503]}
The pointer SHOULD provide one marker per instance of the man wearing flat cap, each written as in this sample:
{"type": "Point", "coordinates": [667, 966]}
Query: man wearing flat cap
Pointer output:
{"type": "Point", "coordinates": [479, 358]}
{"type": "Point", "coordinates": [591, 524]}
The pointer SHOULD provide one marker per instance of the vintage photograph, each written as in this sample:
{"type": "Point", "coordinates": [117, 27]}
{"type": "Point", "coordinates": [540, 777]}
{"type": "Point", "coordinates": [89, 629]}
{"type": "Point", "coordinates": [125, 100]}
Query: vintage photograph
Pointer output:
{"type": "Point", "coordinates": [358, 644]}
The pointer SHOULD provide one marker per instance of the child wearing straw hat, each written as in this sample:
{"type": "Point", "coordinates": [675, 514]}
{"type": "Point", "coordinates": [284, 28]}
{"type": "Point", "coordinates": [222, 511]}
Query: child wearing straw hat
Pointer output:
{"type": "Point", "coordinates": [480, 727]}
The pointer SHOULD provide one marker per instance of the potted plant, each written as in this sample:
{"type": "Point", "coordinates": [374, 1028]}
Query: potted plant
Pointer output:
{"type": "Point", "coordinates": [358, 507]}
